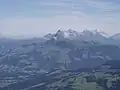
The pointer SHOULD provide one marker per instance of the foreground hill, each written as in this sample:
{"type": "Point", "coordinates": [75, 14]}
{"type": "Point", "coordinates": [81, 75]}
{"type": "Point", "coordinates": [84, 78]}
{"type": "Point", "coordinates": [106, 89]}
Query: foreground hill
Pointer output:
{"type": "Point", "coordinates": [70, 80]}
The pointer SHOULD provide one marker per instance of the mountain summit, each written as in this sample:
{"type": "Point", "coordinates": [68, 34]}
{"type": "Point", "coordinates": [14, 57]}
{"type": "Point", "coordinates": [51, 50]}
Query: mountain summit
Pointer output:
{"type": "Point", "coordinates": [61, 34]}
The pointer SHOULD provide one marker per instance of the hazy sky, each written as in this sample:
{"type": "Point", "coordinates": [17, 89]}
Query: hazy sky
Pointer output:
{"type": "Point", "coordinates": [37, 17]}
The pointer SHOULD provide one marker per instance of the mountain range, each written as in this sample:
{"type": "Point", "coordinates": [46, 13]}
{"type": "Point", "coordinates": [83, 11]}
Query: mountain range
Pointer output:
{"type": "Point", "coordinates": [62, 50]}
{"type": "Point", "coordinates": [85, 34]}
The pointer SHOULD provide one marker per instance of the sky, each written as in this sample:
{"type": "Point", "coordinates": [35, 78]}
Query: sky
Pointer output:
{"type": "Point", "coordinates": [34, 18]}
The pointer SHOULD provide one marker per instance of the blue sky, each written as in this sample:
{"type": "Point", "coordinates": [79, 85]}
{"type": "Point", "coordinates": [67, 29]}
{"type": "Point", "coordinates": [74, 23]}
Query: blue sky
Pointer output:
{"type": "Point", "coordinates": [38, 17]}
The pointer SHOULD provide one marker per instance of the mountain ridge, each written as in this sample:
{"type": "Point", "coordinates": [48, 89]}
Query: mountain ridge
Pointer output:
{"type": "Point", "coordinates": [72, 33]}
{"type": "Point", "coordinates": [84, 35]}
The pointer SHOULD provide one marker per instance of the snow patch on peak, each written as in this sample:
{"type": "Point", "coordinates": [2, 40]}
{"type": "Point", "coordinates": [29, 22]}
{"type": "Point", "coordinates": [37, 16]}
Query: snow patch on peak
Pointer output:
{"type": "Point", "coordinates": [67, 33]}
{"type": "Point", "coordinates": [104, 34]}
{"type": "Point", "coordinates": [94, 33]}
{"type": "Point", "coordinates": [71, 33]}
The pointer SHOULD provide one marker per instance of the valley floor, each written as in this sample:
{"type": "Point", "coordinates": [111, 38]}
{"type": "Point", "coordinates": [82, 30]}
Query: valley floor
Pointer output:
{"type": "Point", "coordinates": [64, 80]}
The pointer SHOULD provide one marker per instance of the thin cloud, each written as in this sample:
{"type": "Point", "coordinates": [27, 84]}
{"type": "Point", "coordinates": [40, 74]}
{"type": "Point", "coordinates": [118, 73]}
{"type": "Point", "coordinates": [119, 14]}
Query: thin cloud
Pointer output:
{"type": "Point", "coordinates": [103, 5]}
{"type": "Point", "coordinates": [86, 6]}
